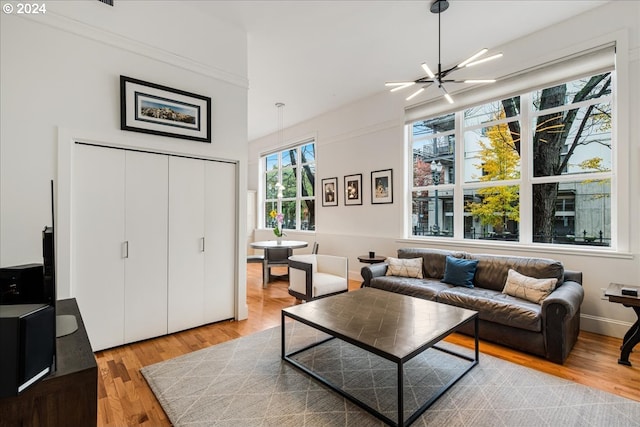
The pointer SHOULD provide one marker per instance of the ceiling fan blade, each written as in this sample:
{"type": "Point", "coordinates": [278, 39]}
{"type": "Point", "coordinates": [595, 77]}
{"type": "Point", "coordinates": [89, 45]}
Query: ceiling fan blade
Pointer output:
{"type": "Point", "coordinates": [478, 81]}
{"type": "Point", "coordinates": [399, 85]}
{"type": "Point", "coordinates": [446, 94]}
{"type": "Point", "coordinates": [427, 70]}
{"type": "Point", "coordinates": [472, 57]}
{"type": "Point", "coordinates": [488, 58]}
{"type": "Point", "coordinates": [414, 94]}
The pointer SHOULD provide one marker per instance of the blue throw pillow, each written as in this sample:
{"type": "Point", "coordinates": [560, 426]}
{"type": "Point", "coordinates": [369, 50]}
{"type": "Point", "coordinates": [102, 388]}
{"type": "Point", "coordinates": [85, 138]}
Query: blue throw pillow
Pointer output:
{"type": "Point", "coordinates": [459, 272]}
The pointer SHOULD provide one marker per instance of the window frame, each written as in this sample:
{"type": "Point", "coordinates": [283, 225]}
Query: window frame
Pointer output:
{"type": "Point", "coordinates": [263, 200]}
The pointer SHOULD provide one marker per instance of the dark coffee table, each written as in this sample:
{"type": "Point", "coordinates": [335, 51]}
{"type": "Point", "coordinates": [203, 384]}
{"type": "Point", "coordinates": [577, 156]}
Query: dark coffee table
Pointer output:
{"type": "Point", "coordinates": [393, 326]}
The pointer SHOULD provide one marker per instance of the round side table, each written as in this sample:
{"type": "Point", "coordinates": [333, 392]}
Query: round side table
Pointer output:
{"type": "Point", "coordinates": [367, 260]}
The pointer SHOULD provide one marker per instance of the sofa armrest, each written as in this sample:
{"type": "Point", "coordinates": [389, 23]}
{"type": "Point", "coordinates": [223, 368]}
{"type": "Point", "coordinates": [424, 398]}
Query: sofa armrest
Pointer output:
{"type": "Point", "coordinates": [561, 320]}
{"type": "Point", "coordinates": [569, 295]}
{"type": "Point", "coordinates": [368, 272]}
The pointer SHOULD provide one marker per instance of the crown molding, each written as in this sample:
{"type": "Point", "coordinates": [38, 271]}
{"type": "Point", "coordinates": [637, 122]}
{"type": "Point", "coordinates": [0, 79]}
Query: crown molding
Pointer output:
{"type": "Point", "coordinates": [119, 41]}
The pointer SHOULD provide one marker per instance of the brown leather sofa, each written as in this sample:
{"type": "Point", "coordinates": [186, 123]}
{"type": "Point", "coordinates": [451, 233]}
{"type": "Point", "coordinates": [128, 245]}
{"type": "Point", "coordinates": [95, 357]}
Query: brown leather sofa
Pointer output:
{"type": "Point", "coordinates": [549, 329]}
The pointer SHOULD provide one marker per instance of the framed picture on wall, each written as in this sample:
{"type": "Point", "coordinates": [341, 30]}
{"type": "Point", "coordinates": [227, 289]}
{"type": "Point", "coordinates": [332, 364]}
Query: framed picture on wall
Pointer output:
{"type": "Point", "coordinates": [353, 189]}
{"type": "Point", "coordinates": [330, 192]}
{"type": "Point", "coordinates": [159, 110]}
{"type": "Point", "coordinates": [382, 186]}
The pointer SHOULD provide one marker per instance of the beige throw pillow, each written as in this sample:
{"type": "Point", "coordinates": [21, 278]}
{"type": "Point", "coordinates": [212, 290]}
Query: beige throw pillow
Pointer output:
{"type": "Point", "coordinates": [405, 267]}
{"type": "Point", "coordinates": [529, 288]}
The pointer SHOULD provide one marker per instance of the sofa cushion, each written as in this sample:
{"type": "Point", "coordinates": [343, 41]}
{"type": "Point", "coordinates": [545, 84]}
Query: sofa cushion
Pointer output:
{"type": "Point", "coordinates": [420, 288]}
{"type": "Point", "coordinates": [433, 260]}
{"type": "Point", "coordinates": [459, 272]}
{"type": "Point", "coordinates": [529, 288]}
{"type": "Point", "coordinates": [493, 269]}
{"type": "Point", "coordinates": [494, 306]}
{"type": "Point", "coordinates": [406, 267]}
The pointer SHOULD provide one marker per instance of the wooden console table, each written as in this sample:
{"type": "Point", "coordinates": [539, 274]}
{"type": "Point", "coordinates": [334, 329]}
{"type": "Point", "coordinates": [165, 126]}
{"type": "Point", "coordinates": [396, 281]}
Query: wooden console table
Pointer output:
{"type": "Point", "coordinates": [69, 396]}
{"type": "Point", "coordinates": [632, 337]}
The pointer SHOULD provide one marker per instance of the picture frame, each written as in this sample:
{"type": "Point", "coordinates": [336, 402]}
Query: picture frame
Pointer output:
{"type": "Point", "coordinates": [160, 110]}
{"type": "Point", "coordinates": [382, 186]}
{"type": "Point", "coordinates": [353, 189]}
{"type": "Point", "coordinates": [330, 192]}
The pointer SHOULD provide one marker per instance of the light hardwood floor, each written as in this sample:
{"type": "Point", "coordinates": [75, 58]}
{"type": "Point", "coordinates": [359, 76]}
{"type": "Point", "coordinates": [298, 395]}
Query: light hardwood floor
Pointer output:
{"type": "Point", "coordinates": [124, 399]}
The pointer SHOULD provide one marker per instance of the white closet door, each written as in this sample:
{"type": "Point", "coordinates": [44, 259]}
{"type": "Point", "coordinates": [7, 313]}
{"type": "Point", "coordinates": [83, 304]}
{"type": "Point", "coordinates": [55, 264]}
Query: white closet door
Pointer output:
{"type": "Point", "coordinates": [146, 221]}
{"type": "Point", "coordinates": [186, 243]}
{"type": "Point", "coordinates": [220, 230]}
{"type": "Point", "coordinates": [98, 240]}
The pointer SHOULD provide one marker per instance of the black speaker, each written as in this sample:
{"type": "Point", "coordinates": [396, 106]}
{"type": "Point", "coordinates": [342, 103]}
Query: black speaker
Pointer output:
{"type": "Point", "coordinates": [27, 346]}
{"type": "Point", "coordinates": [25, 284]}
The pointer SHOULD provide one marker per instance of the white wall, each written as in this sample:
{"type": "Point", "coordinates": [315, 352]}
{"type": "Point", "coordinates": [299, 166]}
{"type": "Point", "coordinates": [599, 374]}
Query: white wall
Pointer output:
{"type": "Point", "coordinates": [60, 77]}
{"type": "Point", "coordinates": [369, 135]}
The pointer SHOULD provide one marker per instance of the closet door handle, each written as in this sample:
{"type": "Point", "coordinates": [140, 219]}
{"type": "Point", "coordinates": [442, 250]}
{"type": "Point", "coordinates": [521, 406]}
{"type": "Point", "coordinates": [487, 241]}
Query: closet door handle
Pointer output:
{"type": "Point", "coordinates": [125, 249]}
{"type": "Point", "coordinates": [202, 244]}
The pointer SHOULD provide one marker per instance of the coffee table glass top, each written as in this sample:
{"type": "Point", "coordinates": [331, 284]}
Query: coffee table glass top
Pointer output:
{"type": "Point", "coordinates": [381, 321]}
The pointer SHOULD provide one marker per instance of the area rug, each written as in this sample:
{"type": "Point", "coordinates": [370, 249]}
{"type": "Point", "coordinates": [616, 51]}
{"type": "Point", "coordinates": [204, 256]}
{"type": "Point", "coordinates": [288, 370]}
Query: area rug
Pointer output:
{"type": "Point", "coordinates": [245, 383]}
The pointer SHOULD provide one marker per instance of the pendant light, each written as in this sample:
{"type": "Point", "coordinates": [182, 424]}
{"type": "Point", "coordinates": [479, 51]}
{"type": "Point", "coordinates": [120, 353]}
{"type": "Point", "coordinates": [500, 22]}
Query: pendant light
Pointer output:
{"type": "Point", "coordinates": [280, 107]}
{"type": "Point", "coordinates": [439, 78]}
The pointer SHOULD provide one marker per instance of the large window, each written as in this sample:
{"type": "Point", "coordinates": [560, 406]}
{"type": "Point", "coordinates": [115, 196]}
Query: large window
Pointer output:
{"type": "Point", "coordinates": [534, 168]}
{"type": "Point", "coordinates": [295, 170]}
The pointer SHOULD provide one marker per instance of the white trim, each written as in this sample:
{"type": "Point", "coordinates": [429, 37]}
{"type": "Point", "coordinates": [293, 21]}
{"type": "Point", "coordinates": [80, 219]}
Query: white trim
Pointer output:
{"type": "Point", "coordinates": [604, 325]}
{"type": "Point", "coordinates": [516, 246]}
{"type": "Point", "coordinates": [119, 41]}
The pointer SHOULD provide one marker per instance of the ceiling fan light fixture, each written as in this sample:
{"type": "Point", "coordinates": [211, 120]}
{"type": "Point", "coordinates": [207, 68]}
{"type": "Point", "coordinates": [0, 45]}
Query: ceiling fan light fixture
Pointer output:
{"type": "Point", "coordinates": [480, 81]}
{"type": "Point", "coordinates": [414, 94]}
{"type": "Point", "coordinates": [427, 70]}
{"type": "Point", "coordinates": [488, 58]}
{"type": "Point", "coordinates": [439, 6]}
{"type": "Point", "coordinates": [472, 57]}
{"type": "Point", "coordinates": [400, 85]}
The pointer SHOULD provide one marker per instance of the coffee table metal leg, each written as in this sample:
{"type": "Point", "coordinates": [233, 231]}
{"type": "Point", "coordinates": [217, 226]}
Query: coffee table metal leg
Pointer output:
{"type": "Point", "coordinates": [400, 395]}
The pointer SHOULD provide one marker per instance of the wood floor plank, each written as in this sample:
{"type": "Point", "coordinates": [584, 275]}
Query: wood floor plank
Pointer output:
{"type": "Point", "coordinates": [125, 399]}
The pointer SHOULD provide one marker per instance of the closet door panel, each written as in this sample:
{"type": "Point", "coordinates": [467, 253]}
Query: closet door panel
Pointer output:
{"type": "Point", "coordinates": [146, 222]}
{"type": "Point", "coordinates": [97, 242]}
{"type": "Point", "coordinates": [221, 230]}
{"type": "Point", "coordinates": [186, 243]}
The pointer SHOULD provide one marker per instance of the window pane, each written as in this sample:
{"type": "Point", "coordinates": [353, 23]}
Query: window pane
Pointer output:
{"type": "Point", "coordinates": [439, 150]}
{"type": "Point", "coordinates": [492, 111]}
{"type": "Point", "coordinates": [573, 141]}
{"type": "Point", "coordinates": [492, 213]}
{"type": "Point", "coordinates": [308, 153]}
{"type": "Point", "coordinates": [576, 213]}
{"type": "Point", "coordinates": [268, 221]}
{"type": "Point", "coordinates": [270, 184]}
{"type": "Point", "coordinates": [289, 182]}
{"type": "Point", "coordinates": [492, 153]}
{"type": "Point", "coordinates": [271, 162]}
{"type": "Point", "coordinates": [432, 213]}
{"type": "Point", "coordinates": [433, 126]}
{"type": "Point", "coordinates": [289, 157]}
{"type": "Point", "coordinates": [308, 180]}
{"type": "Point", "coordinates": [307, 215]}
{"type": "Point", "coordinates": [289, 211]}
{"type": "Point", "coordinates": [571, 92]}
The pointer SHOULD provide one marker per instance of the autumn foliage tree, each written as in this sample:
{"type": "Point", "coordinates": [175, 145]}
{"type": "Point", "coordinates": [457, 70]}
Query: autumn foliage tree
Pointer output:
{"type": "Point", "coordinates": [500, 161]}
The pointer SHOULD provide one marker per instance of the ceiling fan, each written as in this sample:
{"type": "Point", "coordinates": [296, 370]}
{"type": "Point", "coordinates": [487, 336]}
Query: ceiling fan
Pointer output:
{"type": "Point", "coordinates": [439, 78]}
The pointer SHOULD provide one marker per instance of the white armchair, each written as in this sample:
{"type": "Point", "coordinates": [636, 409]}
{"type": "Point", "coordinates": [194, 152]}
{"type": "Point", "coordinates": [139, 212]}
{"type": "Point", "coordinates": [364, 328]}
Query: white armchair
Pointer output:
{"type": "Point", "coordinates": [316, 276]}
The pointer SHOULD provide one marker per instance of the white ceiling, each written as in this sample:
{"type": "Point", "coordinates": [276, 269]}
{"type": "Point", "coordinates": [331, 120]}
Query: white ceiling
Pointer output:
{"type": "Point", "coordinates": [318, 55]}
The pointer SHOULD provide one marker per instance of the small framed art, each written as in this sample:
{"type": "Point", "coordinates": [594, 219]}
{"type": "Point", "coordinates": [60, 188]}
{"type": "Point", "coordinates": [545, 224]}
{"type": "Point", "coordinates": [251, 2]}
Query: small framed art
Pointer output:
{"type": "Point", "coordinates": [330, 192]}
{"type": "Point", "coordinates": [353, 189]}
{"type": "Point", "coordinates": [382, 186]}
{"type": "Point", "coordinates": [150, 108]}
